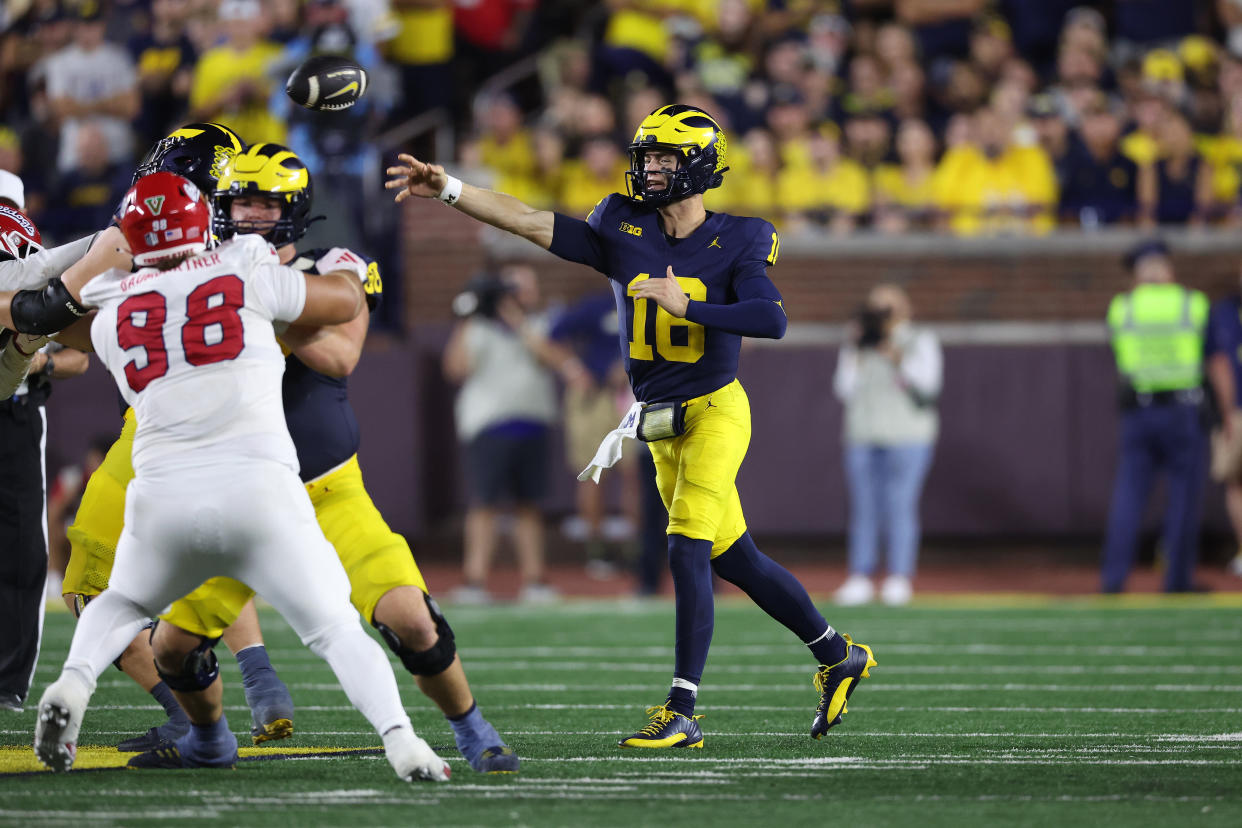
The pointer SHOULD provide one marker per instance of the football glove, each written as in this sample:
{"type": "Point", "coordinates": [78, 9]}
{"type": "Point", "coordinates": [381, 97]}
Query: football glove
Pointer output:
{"type": "Point", "coordinates": [339, 258]}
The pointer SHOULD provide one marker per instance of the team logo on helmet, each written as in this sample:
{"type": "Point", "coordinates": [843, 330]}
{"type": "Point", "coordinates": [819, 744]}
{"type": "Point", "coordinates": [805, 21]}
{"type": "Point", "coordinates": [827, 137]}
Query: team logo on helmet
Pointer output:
{"type": "Point", "coordinates": [198, 152]}
{"type": "Point", "coordinates": [694, 138]}
{"type": "Point", "coordinates": [18, 235]}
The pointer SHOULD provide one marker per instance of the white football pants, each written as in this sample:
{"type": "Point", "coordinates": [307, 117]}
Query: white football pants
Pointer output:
{"type": "Point", "coordinates": [253, 522]}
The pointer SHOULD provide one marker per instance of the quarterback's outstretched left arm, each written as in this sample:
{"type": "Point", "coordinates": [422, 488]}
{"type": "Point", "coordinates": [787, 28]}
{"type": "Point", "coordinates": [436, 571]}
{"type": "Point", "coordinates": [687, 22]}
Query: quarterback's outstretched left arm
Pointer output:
{"type": "Point", "coordinates": [418, 178]}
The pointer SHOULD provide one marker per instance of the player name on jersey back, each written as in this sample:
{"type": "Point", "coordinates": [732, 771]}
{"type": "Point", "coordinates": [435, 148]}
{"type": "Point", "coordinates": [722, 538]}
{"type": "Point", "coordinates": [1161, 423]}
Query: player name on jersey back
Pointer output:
{"type": "Point", "coordinates": [193, 350]}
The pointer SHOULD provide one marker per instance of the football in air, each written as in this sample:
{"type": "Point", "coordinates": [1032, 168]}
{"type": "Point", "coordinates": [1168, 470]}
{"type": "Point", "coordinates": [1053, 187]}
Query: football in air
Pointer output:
{"type": "Point", "coordinates": [327, 83]}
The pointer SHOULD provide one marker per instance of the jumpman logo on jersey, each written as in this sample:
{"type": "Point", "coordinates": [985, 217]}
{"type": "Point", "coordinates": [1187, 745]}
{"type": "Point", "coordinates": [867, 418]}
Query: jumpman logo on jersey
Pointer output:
{"type": "Point", "coordinates": [716, 243]}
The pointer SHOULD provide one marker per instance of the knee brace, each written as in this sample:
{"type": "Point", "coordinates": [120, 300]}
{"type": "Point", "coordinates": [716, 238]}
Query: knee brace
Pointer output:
{"type": "Point", "coordinates": [198, 669]}
{"type": "Point", "coordinates": [430, 662]}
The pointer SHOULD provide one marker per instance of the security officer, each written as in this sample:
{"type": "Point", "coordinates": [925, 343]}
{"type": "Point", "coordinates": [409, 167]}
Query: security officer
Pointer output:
{"type": "Point", "coordinates": [1157, 332]}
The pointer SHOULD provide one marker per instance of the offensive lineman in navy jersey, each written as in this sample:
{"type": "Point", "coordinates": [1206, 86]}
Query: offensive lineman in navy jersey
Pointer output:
{"type": "Point", "coordinates": [689, 285]}
{"type": "Point", "coordinates": [267, 190]}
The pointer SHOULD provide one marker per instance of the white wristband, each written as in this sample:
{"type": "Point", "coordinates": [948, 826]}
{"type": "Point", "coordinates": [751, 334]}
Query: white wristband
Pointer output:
{"type": "Point", "coordinates": [451, 191]}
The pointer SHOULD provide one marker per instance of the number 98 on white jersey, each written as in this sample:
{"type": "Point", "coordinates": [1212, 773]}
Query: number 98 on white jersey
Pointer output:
{"type": "Point", "coordinates": [194, 351]}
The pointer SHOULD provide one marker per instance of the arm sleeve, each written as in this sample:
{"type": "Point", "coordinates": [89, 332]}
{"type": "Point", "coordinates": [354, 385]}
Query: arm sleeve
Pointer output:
{"type": "Point", "coordinates": [760, 317]}
{"type": "Point", "coordinates": [36, 269]}
{"type": "Point", "coordinates": [922, 366]}
{"type": "Point", "coordinates": [279, 291]}
{"type": "Point", "coordinates": [758, 311]}
{"type": "Point", "coordinates": [579, 241]}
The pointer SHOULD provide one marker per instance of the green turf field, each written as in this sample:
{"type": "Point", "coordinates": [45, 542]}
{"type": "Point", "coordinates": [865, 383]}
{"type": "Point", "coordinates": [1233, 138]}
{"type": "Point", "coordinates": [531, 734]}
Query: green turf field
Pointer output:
{"type": "Point", "coordinates": [1036, 713]}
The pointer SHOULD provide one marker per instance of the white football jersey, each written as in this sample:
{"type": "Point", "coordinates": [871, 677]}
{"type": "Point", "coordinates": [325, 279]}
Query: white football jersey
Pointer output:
{"type": "Point", "coordinates": [193, 350]}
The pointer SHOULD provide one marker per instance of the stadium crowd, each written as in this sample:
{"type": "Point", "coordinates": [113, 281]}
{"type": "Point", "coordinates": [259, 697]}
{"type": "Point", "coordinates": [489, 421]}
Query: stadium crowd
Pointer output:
{"type": "Point", "coordinates": [968, 117]}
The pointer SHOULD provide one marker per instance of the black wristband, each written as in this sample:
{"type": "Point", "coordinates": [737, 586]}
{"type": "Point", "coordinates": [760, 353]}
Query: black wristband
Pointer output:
{"type": "Point", "coordinates": [46, 311]}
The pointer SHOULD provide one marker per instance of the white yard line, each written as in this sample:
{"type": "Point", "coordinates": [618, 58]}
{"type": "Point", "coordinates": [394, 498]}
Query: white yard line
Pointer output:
{"type": "Point", "coordinates": [338, 708]}
{"type": "Point", "coordinates": [744, 734]}
{"type": "Point", "coordinates": [786, 644]}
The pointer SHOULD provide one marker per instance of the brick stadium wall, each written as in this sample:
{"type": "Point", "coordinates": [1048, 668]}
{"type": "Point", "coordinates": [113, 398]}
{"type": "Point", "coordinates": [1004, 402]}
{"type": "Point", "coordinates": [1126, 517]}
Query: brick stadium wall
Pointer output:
{"type": "Point", "coordinates": [1028, 443]}
{"type": "Point", "coordinates": [1058, 278]}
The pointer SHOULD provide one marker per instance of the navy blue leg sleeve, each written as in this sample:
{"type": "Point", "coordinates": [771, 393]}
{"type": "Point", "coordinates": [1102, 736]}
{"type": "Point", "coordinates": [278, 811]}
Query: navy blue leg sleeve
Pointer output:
{"type": "Point", "coordinates": [780, 595]}
{"type": "Point", "coordinates": [690, 563]}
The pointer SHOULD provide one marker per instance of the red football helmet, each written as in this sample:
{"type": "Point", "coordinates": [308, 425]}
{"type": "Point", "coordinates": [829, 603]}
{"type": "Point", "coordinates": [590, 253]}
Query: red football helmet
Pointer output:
{"type": "Point", "coordinates": [18, 235]}
{"type": "Point", "coordinates": [164, 215]}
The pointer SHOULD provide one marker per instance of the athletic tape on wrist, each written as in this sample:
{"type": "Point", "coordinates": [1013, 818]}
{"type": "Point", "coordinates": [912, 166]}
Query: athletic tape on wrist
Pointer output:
{"type": "Point", "coordinates": [451, 191]}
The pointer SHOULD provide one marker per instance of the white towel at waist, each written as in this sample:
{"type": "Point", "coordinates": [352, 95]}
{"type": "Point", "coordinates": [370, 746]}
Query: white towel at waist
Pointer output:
{"type": "Point", "coordinates": [609, 451]}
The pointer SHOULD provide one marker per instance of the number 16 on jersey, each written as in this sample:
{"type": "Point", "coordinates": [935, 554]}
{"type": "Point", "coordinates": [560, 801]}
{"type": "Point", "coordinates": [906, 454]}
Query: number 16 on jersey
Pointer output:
{"type": "Point", "coordinates": [665, 322]}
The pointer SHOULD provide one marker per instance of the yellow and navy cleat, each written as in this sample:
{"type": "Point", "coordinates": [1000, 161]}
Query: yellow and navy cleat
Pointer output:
{"type": "Point", "coordinates": [271, 706]}
{"type": "Point", "coordinates": [667, 729]}
{"type": "Point", "coordinates": [280, 728]}
{"type": "Point", "coordinates": [155, 737]}
{"type": "Point", "coordinates": [169, 757]}
{"type": "Point", "coordinates": [498, 759]}
{"type": "Point", "coordinates": [836, 683]}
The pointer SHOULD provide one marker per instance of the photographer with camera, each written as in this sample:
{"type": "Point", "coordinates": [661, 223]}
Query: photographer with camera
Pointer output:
{"type": "Point", "coordinates": [889, 374]}
{"type": "Point", "coordinates": [501, 357]}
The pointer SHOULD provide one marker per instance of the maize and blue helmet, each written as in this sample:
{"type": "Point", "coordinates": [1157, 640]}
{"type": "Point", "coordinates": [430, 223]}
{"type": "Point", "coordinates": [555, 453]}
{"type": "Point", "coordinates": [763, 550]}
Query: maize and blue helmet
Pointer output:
{"type": "Point", "coordinates": [266, 170]}
{"type": "Point", "coordinates": [199, 152]}
{"type": "Point", "coordinates": [692, 135]}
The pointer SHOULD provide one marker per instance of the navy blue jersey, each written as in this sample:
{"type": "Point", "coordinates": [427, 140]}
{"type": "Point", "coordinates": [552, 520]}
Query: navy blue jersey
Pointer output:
{"type": "Point", "coordinates": [723, 262]}
{"type": "Point", "coordinates": [317, 410]}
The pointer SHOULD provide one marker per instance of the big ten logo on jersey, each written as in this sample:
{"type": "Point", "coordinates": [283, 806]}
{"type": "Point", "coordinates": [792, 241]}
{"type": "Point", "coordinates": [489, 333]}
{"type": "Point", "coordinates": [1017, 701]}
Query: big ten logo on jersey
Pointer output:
{"type": "Point", "coordinates": [374, 283]}
{"type": "Point", "coordinates": [212, 332]}
{"type": "Point", "coordinates": [626, 227]}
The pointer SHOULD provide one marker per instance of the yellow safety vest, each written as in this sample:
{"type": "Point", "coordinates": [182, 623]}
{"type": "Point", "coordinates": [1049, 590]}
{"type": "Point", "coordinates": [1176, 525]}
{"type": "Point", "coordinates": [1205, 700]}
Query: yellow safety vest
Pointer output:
{"type": "Point", "coordinates": [1157, 334]}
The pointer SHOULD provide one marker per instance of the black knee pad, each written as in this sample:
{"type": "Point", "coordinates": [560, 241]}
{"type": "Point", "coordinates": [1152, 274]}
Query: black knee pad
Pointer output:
{"type": "Point", "coordinates": [199, 668]}
{"type": "Point", "coordinates": [429, 662]}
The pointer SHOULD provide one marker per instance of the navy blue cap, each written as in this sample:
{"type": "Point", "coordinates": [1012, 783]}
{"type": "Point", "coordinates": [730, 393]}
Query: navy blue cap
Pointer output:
{"type": "Point", "coordinates": [1147, 247]}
